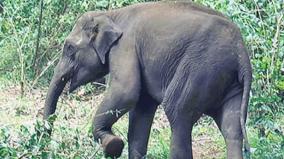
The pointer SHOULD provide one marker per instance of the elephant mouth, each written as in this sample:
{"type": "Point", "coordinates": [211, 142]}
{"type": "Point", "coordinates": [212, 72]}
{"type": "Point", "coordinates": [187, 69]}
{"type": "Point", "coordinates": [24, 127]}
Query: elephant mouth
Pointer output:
{"type": "Point", "coordinates": [73, 82]}
{"type": "Point", "coordinates": [81, 78]}
{"type": "Point", "coordinates": [72, 85]}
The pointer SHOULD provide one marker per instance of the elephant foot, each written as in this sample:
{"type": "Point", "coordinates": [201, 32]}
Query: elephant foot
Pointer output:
{"type": "Point", "coordinates": [112, 146]}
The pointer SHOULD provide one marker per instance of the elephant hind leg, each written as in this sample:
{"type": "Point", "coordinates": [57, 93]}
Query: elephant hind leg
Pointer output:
{"type": "Point", "coordinates": [181, 100]}
{"type": "Point", "coordinates": [228, 121]}
{"type": "Point", "coordinates": [181, 122]}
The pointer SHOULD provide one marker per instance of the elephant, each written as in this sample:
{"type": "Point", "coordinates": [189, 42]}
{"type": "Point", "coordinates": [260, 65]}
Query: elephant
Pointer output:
{"type": "Point", "coordinates": [186, 57]}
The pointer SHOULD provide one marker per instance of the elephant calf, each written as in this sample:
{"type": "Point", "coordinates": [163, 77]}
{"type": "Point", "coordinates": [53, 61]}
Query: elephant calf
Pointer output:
{"type": "Point", "coordinates": [188, 58]}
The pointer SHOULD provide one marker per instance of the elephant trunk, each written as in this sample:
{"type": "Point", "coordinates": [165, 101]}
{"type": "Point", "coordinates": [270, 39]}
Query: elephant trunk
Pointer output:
{"type": "Point", "coordinates": [56, 87]}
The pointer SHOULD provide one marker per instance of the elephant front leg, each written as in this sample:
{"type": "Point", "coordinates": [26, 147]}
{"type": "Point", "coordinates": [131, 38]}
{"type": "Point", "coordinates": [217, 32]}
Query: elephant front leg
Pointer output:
{"type": "Point", "coordinates": [121, 96]}
{"type": "Point", "coordinates": [118, 100]}
{"type": "Point", "coordinates": [140, 122]}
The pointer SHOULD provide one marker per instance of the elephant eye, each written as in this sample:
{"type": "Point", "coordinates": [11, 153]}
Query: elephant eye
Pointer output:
{"type": "Point", "coordinates": [70, 49]}
{"type": "Point", "coordinates": [95, 29]}
{"type": "Point", "coordinates": [91, 30]}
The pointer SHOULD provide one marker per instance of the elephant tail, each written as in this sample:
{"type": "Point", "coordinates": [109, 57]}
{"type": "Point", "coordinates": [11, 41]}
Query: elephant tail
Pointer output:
{"type": "Point", "coordinates": [245, 78]}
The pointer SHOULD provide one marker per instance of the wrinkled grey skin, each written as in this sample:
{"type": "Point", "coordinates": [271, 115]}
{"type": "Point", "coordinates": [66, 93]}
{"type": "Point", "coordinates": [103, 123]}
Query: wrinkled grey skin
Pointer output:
{"type": "Point", "coordinates": [188, 58]}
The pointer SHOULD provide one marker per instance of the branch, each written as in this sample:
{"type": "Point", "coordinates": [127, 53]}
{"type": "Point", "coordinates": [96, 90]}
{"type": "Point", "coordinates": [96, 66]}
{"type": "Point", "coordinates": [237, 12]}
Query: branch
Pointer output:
{"type": "Point", "coordinates": [38, 36]}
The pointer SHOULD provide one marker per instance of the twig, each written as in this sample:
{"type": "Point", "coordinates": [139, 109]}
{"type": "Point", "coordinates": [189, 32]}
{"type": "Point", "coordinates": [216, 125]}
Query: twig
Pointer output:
{"type": "Point", "coordinates": [100, 84]}
{"type": "Point", "coordinates": [38, 37]}
{"type": "Point", "coordinates": [6, 69]}
{"type": "Point", "coordinates": [24, 155]}
{"type": "Point", "coordinates": [109, 4]}
{"type": "Point", "coordinates": [275, 43]}
{"type": "Point", "coordinates": [115, 112]}
{"type": "Point", "coordinates": [21, 56]}
{"type": "Point", "coordinates": [44, 70]}
{"type": "Point", "coordinates": [94, 154]}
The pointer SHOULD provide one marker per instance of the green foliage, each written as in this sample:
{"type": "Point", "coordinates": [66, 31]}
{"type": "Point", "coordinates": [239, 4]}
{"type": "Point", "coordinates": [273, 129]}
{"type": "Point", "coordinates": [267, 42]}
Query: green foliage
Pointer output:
{"type": "Point", "coordinates": [18, 35]}
{"type": "Point", "coordinates": [262, 26]}
{"type": "Point", "coordinates": [36, 143]}
{"type": "Point", "coordinates": [32, 144]}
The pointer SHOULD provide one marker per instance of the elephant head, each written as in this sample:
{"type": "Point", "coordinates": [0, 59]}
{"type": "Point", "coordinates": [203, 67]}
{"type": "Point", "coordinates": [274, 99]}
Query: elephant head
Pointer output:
{"type": "Point", "coordinates": [84, 58]}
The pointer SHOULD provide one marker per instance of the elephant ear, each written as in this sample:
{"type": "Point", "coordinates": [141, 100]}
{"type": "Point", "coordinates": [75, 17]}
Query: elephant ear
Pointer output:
{"type": "Point", "coordinates": [107, 33]}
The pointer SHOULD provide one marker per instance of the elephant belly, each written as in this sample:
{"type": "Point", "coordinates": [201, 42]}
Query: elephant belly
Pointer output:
{"type": "Point", "coordinates": [209, 86]}
{"type": "Point", "coordinates": [157, 76]}
{"type": "Point", "coordinates": [153, 85]}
